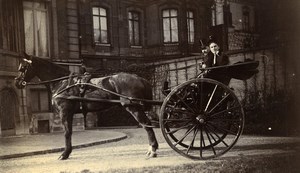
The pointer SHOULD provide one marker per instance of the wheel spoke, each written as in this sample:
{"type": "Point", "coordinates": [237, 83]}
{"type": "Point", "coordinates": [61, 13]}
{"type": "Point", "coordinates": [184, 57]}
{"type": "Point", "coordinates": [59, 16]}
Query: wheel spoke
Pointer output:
{"type": "Point", "coordinates": [219, 137]}
{"type": "Point", "coordinates": [185, 135]}
{"type": "Point", "coordinates": [226, 110]}
{"type": "Point", "coordinates": [192, 142]}
{"type": "Point", "coordinates": [212, 146]}
{"type": "Point", "coordinates": [179, 110]}
{"type": "Point", "coordinates": [181, 99]}
{"type": "Point", "coordinates": [202, 137]}
{"type": "Point", "coordinates": [226, 120]}
{"type": "Point", "coordinates": [213, 137]}
{"type": "Point", "coordinates": [209, 101]}
{"type": "Point", "coordinates": [200, 150]}
{"type": "Point", "coordinates": [201, 95]}
{"type": "Point", "coordinates": [180, 128]}
{"type": "Point", "coordinates": [218, 103]}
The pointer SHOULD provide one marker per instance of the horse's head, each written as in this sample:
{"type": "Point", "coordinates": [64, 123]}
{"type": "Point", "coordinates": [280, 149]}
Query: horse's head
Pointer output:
{"type": "Point", "coordinates": [26, 72]}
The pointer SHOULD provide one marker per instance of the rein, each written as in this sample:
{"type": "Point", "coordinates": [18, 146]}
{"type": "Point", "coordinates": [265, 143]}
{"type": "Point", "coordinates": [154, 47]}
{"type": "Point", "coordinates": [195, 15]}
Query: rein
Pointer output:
{"type": "Point", "coordinates": [109, 91]}
{"type": "Point", "coordinates": [53, 80]}
{"type": "Point", "coordinates": [59, 79]}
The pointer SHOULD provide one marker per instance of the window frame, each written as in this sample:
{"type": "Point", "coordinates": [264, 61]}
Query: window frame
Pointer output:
{"type": "Point", "coordinates": [99, 42]}
{"type": "Point", "coordinates": [35, 10]}
{"type": "Point", "coordinates": [169, 18]}
{"type": "Point", "coordinates": [133, 21]}
{"type": "Point", "coordinates": [189, 19]}
{"type": "Point", "coordinates": [246, 19]}
{"type": "Point", "coordinates": [39, 98]}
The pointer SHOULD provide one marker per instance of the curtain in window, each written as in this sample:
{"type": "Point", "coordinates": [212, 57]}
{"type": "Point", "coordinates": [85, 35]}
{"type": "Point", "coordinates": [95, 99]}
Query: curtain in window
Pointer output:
{"type": "Point", "coordinates": [134, 28]}
{"type": "Point", "coordinates": [42, 37]}
{"type": "Point", "coordinates": [29, 31]}
{"type": "Point", "coordinates": [166, 28]}
{"type": "Point", "coordinates": [100, 25]}
{"type": "Point", "coordinates": [190, 26]}
{"type": "Point", "coordinates": [36, 28]}
{"type": "Point", "coordinates": [174, 30]}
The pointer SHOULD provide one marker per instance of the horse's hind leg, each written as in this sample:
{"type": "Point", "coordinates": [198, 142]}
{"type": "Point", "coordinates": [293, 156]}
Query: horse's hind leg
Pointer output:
{"type": "Point", "coordinates": [141, 117]}
{"type": "Point", "coordinates": [67, 120]}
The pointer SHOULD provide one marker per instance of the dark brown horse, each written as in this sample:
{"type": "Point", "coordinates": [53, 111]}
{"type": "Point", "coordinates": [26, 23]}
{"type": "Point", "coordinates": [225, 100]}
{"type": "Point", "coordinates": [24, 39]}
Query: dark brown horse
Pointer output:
{"type": "Point", "coordinates": [126, 84]}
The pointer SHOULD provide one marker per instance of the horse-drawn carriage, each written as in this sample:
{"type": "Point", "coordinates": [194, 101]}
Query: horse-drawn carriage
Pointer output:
{"type": "Point", "coordinates": [200, 119]}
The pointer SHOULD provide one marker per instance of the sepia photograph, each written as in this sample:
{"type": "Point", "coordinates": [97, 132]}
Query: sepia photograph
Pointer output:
{"type": "Point", "coordinates": [149, 86]}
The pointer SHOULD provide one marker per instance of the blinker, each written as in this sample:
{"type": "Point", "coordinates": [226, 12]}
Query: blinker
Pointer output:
{"type": "Point", "coordinates": [21, 68]}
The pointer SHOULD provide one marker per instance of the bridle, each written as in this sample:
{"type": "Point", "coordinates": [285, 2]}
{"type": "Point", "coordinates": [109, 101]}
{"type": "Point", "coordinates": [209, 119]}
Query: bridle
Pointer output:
{"type": "Point", "coordinates": [23, 70]}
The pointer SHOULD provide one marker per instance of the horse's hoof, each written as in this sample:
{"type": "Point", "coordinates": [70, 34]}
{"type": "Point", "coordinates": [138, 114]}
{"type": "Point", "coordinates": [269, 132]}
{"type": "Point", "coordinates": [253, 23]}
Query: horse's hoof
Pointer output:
{"type": "Point", "coordinates": [62, 157]}
{"type": "Point", "coordinates": [151, 154]}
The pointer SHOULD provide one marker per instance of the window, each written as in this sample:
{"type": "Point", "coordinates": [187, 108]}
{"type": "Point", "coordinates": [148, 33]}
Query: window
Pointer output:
{"type": "Point", "coordinates": [246, 19]}
{"type": "Point", "coordinates": [213, 15]}
{"type": "Point", "coordinates": [170, 26]}
{"type": "Point", "coordinates": [190, 26]}
{"type": "Point", "coordinates": [40, 101]}
{"type": "Point", "coordinates": [9, 25]}
{"type": "Point", "coordinates": [100, 25]}
{"type": "Point", "coordinates": [134, 28]}
{"type": "Point", "coordinates": [36, 28]}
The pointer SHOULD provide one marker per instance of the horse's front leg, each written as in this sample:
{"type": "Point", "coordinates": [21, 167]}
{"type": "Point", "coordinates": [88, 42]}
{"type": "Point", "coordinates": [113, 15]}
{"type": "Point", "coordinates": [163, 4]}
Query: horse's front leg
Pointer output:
{"type": "Point", "coordinates": [67, 120]}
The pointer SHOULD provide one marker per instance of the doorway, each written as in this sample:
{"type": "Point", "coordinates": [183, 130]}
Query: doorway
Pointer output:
{"type": "Point", "coordinates": [8, 112]}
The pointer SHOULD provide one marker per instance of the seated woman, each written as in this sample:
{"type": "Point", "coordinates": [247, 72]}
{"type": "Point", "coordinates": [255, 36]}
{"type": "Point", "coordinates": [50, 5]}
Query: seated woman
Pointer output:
{"type": "Point", "coordinates": [215, 57]}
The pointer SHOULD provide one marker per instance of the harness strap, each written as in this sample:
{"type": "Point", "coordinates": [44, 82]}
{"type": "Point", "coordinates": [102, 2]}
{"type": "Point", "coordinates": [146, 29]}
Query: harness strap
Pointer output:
{"type": "Point", "coordinates": [82, 80]}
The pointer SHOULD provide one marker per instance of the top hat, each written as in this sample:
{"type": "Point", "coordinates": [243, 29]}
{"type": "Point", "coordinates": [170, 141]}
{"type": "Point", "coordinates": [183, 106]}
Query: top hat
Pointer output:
{"type": "Point", "coordinates": [211, 39]}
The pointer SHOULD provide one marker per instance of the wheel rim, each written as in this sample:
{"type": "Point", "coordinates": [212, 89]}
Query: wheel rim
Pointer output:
{"type": "Point", "coordinates": [201, 119]}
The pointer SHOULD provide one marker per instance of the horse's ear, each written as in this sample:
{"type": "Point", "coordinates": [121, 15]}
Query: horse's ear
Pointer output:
{"type": "Point", "coordinates": [27, 60]}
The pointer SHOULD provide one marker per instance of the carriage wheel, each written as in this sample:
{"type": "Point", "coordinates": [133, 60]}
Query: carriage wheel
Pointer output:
{"type": "Point", "coordinates": [201, 119]}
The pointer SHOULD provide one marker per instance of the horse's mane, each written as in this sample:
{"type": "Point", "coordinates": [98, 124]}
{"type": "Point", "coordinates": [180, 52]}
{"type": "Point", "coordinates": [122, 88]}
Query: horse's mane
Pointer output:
{"type": "Point", "coordinates": [51, 67]}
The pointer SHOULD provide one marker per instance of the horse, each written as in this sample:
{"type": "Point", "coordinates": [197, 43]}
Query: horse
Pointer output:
{"type": "Point", "coordinates": [130, 85]}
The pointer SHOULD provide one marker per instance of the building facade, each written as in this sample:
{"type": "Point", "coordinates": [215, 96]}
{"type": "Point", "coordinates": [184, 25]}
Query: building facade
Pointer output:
{"type": "Point", "coordinates": [102, 33]}
{"type": "Point", "coordinates": [112, 34]}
